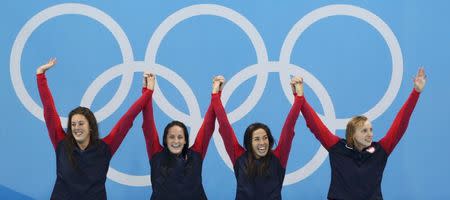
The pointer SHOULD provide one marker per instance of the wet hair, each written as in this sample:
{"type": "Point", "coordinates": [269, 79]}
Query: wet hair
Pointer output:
{"type": "Point", "coordinates": [168, 163]}
{"type": "Point", "coordinates": [185, 132]}
{"type": "Point", "coordinates": [70, 142]}
{"type": "Point", "coordinates": [253, 169]}
{"type": "Point", "coordinates": [354, 123]}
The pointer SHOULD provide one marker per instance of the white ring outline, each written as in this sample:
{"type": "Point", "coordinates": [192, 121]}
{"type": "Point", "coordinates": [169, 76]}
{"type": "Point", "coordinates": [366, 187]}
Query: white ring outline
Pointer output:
{"type": "Point", "coordinates": [374, 21]}
{"type": "Point", "coordinates": [218, 11]}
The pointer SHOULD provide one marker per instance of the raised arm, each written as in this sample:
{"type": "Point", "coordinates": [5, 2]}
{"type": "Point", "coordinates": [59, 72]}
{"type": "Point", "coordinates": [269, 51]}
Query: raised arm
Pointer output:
{"type": "Point", "coordinates": [209, 122]}
{"type": "Point", "coordinates": [315, 124]}
{"type": "Point", "coordinates": [398, 127]}
{"type": "Point", "coordinates": [120, 130]}
{"type": "Point", "coordinates": [234, 149]}
{"type": "Point", "coordinates": [52, 121]}
{"type": "Point", "coordinates": [148, 124]}
{"type": "Point", "coordinates": [287, 133]}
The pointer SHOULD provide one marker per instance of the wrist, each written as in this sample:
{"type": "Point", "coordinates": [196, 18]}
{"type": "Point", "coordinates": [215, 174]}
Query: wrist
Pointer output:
{"type": "Point", "coordinates": [40, 71]}
{"type": "Point", "coordinates": [418, 90]}
{"type": "Point", "coordinates": [215, 90]}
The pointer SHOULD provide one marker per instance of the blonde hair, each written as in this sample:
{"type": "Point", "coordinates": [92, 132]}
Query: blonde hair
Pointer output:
{"type": "Point", "coordinates": [355, 122]}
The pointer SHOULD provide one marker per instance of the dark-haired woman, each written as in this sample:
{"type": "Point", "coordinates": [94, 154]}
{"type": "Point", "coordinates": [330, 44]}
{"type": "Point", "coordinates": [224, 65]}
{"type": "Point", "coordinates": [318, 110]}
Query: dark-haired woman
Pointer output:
{"type": "Point", "coordinates": [357, 162]}
{"type": "Point", "coordinates": [82, 159]}
{"type": "Point", "coordinates": [176, 169]}
{"type": "Point", "coordinates": [259, 170]}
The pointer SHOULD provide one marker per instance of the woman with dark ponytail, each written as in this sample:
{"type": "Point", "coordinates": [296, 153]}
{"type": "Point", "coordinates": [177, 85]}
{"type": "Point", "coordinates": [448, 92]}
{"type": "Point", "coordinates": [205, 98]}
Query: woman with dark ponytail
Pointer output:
{"type": "Point", "coordinates": [176, 169]}
{"type": "Point", "coordinates": [259, 170]}
{"type": "Point", "coordinates": [82, 158]}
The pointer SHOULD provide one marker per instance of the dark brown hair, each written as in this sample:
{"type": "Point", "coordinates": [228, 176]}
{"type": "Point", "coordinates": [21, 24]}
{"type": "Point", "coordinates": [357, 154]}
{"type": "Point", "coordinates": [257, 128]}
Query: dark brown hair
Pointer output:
{"type": "Point", "coordinates": [252, 169]}
{"type": "Point", "coordinates": [70, 142]}
{"type": "Point", "coordinates": [168, 163]}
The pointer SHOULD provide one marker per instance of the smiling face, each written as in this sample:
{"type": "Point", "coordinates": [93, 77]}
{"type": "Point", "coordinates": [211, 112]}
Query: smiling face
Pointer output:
{"type": "Point", "coordinates": [175, 139]}
{"type": "Point", "coordinates": [359, 133]}
{"type": "Point", "coordinates": [362, 138]}
{"type": "Point", "coordinates": [260, 143]}
{"type": "Point", "coordinates": [80, 130]}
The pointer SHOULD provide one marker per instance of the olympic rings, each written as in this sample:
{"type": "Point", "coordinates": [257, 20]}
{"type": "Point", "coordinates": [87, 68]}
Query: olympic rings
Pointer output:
{"type": "Point", "coordinates": [193, 119]}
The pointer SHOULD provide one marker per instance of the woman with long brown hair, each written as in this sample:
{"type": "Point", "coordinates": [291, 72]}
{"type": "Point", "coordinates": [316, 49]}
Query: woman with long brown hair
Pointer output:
{"type": "Point", "coordinates": [259, 170]}
{"type": "Point", "coordinates": [82, 158]}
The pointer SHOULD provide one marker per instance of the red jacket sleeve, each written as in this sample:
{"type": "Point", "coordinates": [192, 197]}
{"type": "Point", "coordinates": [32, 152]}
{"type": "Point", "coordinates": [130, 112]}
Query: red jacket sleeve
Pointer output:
{"type": "Point", "coordinates": [398, 127]}
{"type": "Point", "coordinates": [287, 133]}
{"type": "Point", "coordinates": [52, 121]}
{"type": "Point", "coordinates": [204, 134]}
{"type": "Point", "coordinates": [234, 149]}
{"type": "Point", "coordinates": [320, 131]}
{"type": "Point", "coordinates": [120, 130]}
{"type": "Point", "coordinates": [149, 128]}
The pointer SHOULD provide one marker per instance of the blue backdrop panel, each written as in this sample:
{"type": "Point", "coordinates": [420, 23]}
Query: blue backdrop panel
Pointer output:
{"type": "Point", "coordinates": [356, 58]}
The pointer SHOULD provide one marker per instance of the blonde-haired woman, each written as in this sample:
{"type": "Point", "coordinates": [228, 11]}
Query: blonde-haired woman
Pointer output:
{"type": "Point", "coordinates": [357, 162]}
